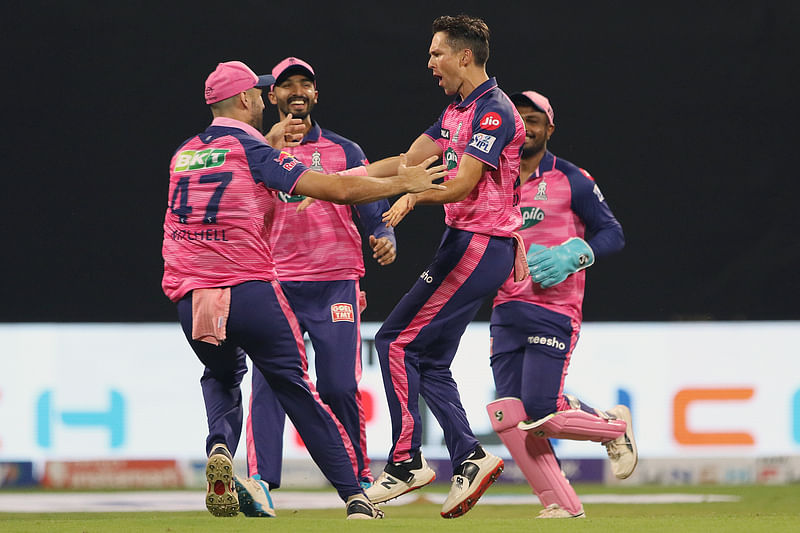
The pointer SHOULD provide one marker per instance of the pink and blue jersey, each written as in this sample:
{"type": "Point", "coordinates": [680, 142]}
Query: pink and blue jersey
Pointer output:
{"type": "Point", "coordinates": [488, 127]}
{"type": "Point", "coordinates": [322, 242]}
{"type": "Point", "coordinates": [560, 201]}
{"type": "Point", "coordinates": [214, 232]}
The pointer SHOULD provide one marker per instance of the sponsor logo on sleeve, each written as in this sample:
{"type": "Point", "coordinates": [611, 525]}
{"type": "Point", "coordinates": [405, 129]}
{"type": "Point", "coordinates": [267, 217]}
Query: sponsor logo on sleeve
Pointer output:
{"type": "Point", "coordinates": [482, 142]}
{"type": "Point", "coordinates": [286, 160]}
{"type": "Point", "coordinates": [597, 193]}
{"type": "Point", "coordinates": [491, 121]}
{"type": "Point", "coordinates": [195, 160]}
{"type": "Point", "coordinates": [444, 133]}
{"type": "Point", "coordinates": [342, 312]}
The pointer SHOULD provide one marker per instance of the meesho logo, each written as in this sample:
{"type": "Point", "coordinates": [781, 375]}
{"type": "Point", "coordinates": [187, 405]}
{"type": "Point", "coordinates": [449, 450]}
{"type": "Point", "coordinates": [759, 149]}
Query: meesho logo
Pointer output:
{"type": "Point", "coordinates": [194, 160]}
{"type": "Point", "coordinates": [531, 216]}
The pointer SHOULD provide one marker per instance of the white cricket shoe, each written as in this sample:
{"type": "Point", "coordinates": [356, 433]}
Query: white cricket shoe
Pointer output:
{"type": "Point", "coordinates": [254, 498]}
{"type": "Point", "coordinates": [622, 450]}
{"type": "Point", "coordinates": [400, 478]}
{"type": "Point", "coordinates": [360, 508]}
{"type": "Point", "coordinates": [221, 499]}
{"type": "Point", "coordinates": [554, 511]}
{"type": "Point", "coordinates": [470, 481]}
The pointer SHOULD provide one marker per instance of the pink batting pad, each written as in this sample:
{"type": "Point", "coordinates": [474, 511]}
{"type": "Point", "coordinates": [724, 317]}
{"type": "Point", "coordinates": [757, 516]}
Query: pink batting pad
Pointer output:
{"type": "Point", "coordinates": [575, 424]}
{"type": "Point", "coordinates": [533, 456]}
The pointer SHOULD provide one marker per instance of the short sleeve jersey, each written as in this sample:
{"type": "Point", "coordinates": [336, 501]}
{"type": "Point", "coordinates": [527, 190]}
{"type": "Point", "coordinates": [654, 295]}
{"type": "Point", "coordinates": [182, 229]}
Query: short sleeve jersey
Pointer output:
{"type": "Point", "coordinates": [558, 202]}
{"type": "Point", "coordinates": [214, 232]}
{"type": "Point", "coordinates": [487, 126]}
{"type": "Point", "coordinates": [321, 243]}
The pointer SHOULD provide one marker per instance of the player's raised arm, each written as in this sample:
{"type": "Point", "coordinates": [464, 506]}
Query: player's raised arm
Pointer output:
{"type": "Point", "coordinates": [350, 189]}
{"type": "Point", "coordinates": [420, 150]}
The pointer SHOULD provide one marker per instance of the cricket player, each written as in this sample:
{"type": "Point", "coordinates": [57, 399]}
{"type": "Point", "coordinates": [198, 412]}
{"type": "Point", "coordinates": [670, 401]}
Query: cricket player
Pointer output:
{"type": "Point", "coordinates": [479, 136]}
{"type": "Point", "coordinates": [535, 324]}
{"type": "Point", "coordinates": [218, 269]}
{"type": "Point", "coordinates": [317, 252]}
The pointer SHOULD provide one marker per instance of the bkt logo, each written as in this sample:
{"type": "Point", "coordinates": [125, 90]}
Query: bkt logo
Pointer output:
{"type": "Point", "coordinates": [193, 160]}
{"type": "Point", "coordinates": [47, 419]}
{"type": "Point", "coordinates": [427, 278]}
{"type": "Point", "coordinates": [491, 121]}
{"type": "Point", "coordinates": [531, 216]}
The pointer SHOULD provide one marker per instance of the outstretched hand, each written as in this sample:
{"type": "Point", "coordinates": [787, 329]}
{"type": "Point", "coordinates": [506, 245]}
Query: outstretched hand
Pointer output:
{"type": "Point", "coordinates": [419, 177]}
{"type": "Point", "coordinates": [383, 250]}
{"type": "Point", "coordinates": [287, 132]}
{"type": "Point", "coordinates": [403, 206]}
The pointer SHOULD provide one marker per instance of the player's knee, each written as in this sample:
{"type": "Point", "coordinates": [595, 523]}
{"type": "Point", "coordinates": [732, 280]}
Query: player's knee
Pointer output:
{"type": "Point", "coordinates": [538, 406]}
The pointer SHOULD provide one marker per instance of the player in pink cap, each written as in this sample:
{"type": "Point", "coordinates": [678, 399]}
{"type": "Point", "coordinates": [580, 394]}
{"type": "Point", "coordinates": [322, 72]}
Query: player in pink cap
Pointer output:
{"type": "Point", "coordinates": [218, 268]}
{"type": "Point", "coordinates": [479, 136]}
{"type": "Point", "coordinates": [317, 252]}
{"type": "Point", "coordinates": [535, 324]}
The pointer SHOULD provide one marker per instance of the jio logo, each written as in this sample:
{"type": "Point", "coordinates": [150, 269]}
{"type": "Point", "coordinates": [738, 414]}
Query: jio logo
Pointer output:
{"type": "Point", "coordinates": [491, 121]}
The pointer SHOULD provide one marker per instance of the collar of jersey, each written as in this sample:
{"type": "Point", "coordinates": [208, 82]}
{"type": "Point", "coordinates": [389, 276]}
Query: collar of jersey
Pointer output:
{"type": "Point", "coordinates": [313, 134]}
{"type": "Point", "coordinates": [547, 163]}
{"type": "Point", "coordinates": [479, 91]}
{"type": "Point", "coordinates": [228, 122]}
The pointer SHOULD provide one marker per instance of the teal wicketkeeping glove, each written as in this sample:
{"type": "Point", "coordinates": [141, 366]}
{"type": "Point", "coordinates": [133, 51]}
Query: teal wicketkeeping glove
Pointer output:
{"type": "Point", "coordinates": [551, 266]}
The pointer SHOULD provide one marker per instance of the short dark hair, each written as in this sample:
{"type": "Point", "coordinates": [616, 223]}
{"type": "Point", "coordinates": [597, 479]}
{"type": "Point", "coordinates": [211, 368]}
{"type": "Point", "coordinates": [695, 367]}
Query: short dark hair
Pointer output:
{"type": "Point", "coordinates": [465, 32]}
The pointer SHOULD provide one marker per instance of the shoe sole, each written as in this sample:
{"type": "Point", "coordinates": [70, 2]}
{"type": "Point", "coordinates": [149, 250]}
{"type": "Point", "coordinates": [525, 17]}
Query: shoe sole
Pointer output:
{"type": "Point", "coordinates": [413, 488]}
{"type": "Point", "coordinates": [221, 498]}
{"type": "Point", "coordinates": [626, 416]}
{"type": "Point", "coordinates": [470, 501]}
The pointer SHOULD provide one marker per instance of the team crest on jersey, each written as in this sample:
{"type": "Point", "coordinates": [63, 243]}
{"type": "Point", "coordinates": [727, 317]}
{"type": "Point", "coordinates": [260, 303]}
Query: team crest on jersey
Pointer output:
{"type": "Point", "coordinates": [455, 135]}
{"type": "Point", "coordinates": [541, 192]}
{"type": "Point", "coordinates": [450, 158]}
{"type": "Point", "coordinates": [531, 216]}
{"type": "Point", "coordinates": [290, 198]}
{"type": "Point", "coordinates": [342, 312]}
{"type": "Point", "coordinates": [316, 162]}
{"type": "Point", "coordinates": [444, 133]}
{"type": "Point", "coordinates": [483, 142]}
{"type": "Point", "coordinates": [195, 160]}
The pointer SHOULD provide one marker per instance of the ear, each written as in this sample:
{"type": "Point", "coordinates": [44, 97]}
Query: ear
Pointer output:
{"type": "Point", "coordinates": [466, 58]}
{"type": "Point", "coordinates": [550, 130]}
{"type": "Point", "coordinates": [272, 98]}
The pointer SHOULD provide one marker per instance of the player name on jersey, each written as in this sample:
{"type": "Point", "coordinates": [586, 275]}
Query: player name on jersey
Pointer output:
{"type": "Point", "coordinates": [199, 235]}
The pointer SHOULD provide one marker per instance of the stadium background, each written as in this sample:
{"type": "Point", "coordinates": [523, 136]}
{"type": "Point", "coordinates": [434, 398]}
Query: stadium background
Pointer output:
{"type": "Point", "coordinates": [684, 112]}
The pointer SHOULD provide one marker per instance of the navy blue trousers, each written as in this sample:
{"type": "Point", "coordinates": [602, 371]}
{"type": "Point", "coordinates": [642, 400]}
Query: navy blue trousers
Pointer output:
{"type": "Point", "coordinates": [417, 342]}
{"type": "Point", "coordinates": [262, 324]}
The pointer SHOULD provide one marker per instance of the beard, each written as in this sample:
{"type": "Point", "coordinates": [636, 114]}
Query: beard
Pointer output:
{"type": "Point", "coordinates": [530, 150]}
{"type": "Point", "coordinates": [285, 109]}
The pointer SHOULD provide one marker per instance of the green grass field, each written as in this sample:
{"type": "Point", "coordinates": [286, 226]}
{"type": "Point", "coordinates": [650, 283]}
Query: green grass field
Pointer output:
{"type": "Point", "coordinates": [773, 509]}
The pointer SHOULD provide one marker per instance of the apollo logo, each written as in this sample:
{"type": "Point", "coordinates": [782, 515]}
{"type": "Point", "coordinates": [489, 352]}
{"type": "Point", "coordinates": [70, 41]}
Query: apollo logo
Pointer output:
{"type": "Point", "coordinates": [450, 158]}
{"type": "Point", "coordinates": [195, 160]}
{"type": "Point", "coordinates": [491, 121]}
{"type": "Point", "coordinates": [547, 341]}
{"type": "Point", "coordinates": [290, 198]}
{"type": "Point", "coordinates": [427, 278]}
{"type": "Point", "coordinates": [531, 216]}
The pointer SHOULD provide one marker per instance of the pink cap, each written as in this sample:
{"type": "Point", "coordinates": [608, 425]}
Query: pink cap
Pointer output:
{"type": "Point", "coordinates": [292, 64]}
{"type": "Point", "coordinates": [231, 78]}
{"type": "Point", "coordinates": [539, 101]}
